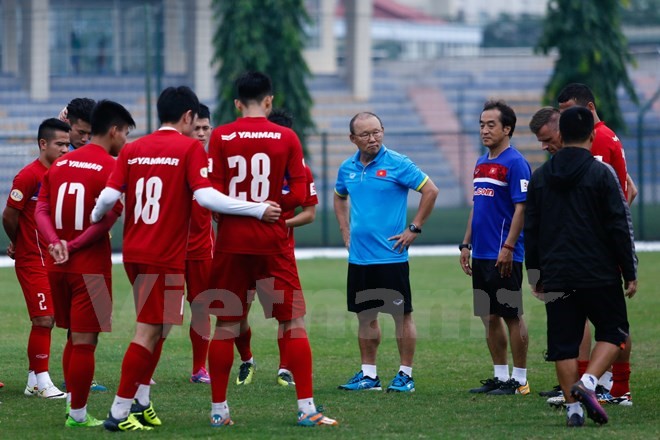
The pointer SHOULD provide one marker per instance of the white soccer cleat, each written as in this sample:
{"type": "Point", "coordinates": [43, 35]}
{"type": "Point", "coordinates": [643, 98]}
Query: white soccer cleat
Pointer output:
{"type": "Point", "coordinates": [31, 391]}
{"type": "Point", "coordinates": [51, 392]}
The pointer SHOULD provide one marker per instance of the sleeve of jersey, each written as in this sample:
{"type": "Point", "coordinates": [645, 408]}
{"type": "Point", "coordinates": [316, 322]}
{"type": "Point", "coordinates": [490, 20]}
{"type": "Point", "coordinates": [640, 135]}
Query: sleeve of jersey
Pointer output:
{"type": "Point", "coordinates": [619, 227]}
{"type": "Point", "coordinates": [295, 177]}
{"type": "Point", "coordinates": [43, 221]}
{"type": "Point", "coordinates": [214, 159]}
{"type": "Point", "coordinates": [312, 199]}
{"type": "Point", "coordinates": [197, 171]}
{"type": "Point", "coordinates": [117, 179]}
{"type": "Point", "coordinates": [411, 176]}
{"type": "Point", "coordinates": [22, 188]}
{"type": "Point", "coordinates": [105, 202]}
{"type": "Point", "coordinates": [215, 201]}
{"type": "Point", "coordinates": [519, 175]}
{"type": "Point", "coordinates": [531, 229]}
{"type": "Point", "coordinates": [340, 185]}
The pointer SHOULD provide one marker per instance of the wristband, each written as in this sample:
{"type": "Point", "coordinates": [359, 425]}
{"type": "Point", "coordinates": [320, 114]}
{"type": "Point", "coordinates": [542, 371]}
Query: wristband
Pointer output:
{"type": "Point", "coordinates": [509, 247]}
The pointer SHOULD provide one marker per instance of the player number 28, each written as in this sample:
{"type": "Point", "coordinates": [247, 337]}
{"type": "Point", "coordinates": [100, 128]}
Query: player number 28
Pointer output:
{"type": "Point", "coordinates": [147, 197]}
{"type": "Point", "coordinates": [260, 171]}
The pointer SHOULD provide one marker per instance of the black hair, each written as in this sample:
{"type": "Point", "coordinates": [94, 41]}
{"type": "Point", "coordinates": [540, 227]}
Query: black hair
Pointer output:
{"type": "Point", "coordinates": [253, 86]}
{"type": "Point", "coordinates": [542, 117]}
{"type": "Point", "coordinates": [173, 102]}
{"type": "Point", "coordinates": [49, 126]}
{"type": "Point", "coordinates": [204, 112]}
{"type": "Point", "coordinates": [576, 124]}
{"type": "Point", "coordinates": [507, 115]}
{"type": "Point", "coordinates": [580, 93]}
{"type": "Point", "coordinates": [281, 117]}
{"type": "Point", "coordinates": [107, 114]}
{"type": "Point", "coordinates": [80, 109]}
{"type": "Point", "coordinates": [361, 115]}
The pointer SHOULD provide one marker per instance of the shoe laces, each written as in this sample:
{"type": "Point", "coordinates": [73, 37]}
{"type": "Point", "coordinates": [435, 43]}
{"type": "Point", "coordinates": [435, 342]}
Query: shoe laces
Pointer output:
{"type": "Point", "coordinates": [244, 371]}
{"type": "Point", "coordinates": [401, 379]}
{"type": "Point", "coordinates": [358, 377]}
{"type": "Point", "coordinates": [510, 384]}
{"type": "Point", "coordinates": [491, 381]}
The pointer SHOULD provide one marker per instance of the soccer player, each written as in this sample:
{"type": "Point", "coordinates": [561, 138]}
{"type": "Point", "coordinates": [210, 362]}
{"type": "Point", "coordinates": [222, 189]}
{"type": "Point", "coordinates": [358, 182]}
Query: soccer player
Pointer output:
{"type": "Point", "coordinates": [80, 272]}
{"type": "Point", "coordinates": [29, 249]}
{"type": "Point", "coordinates": [292, 220]}
{"type": "Point", "coordinates": [250, 158]}
{"type": "Point", "coordinates": [579, 243]}
{"type": "Point", "coordinates": [199, 258]}
{"type": "Point", "coordinates": [78, 113]}
{"type": "Point", "coordinates": [159, 174]}
{"type": "Point", "coordinates": [494, 235]}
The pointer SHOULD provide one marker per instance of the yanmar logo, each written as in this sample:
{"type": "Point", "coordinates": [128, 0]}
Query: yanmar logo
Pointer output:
{"type": "Point", "coordinates": [488, 192]}
{"type": "Point", "coordinates": [251, 135]}
{"type": "Point", "coordinates": [83, 165]}
{"type": "Point", "coordinates": [172, 161]}
{"type": "Point", "coordinates": [62, 162]}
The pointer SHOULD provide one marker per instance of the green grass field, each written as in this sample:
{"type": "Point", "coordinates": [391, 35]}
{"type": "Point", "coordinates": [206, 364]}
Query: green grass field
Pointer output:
{"type": "Point", "coordinates": [451, 357]}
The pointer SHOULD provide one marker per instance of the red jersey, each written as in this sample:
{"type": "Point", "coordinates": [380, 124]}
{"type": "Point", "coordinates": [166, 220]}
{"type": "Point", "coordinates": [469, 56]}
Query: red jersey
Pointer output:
{"type": "Point", "coordinates": [200, 235]}
{"type": "Point", "coordinates": [311, 199]}
{"type": "Point", "coordinates": [608, 148]}
{"type": "Point", "coordinates": [249, 159]}
{"type": "Point", "coordinates": [31, 247]}
{"type": "Point", "coordinates": [70, 188]}
{"type": "Point", "coordinates": [158, 174]}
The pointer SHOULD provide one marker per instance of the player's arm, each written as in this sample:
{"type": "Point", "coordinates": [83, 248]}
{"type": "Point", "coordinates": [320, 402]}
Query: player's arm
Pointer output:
{"type": "Point", "coordinates": [10, 222]}
{"type": "Point", "coordinates": [632, 189]}
{"type": "Point", "coordinates": [429, 193]}
{"type": "Point", "coordinates": [304, 217]}
{"type": "Point", "coordinates": [465, 252]}
{"type": "Point", "coordinates": [505, 258]}
{"type": "Point", "coordinates": [105, 202]}
{"type": "Point", "coordinates": [215, 201]}
{"type": "Point", "coordinates": [341, 212]}
{"type": "Point", "coordinates": [94, 232]}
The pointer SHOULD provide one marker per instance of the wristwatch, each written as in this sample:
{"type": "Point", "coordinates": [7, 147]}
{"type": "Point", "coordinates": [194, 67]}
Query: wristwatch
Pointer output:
{"type": "Point", "coordinates": [413, 228]}
{"type": "Point", "coordinates": [465, 246]}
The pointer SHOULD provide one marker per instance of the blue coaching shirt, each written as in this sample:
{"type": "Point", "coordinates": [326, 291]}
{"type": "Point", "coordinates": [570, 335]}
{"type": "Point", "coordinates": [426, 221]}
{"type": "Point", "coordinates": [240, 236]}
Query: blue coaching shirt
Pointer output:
{"type": "Point", "coordinates": [379, 203]}
{"type": "Point", "coordinates": [498, 184]}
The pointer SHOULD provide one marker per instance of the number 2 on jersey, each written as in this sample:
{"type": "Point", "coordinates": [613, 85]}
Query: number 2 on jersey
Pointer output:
{"type": "Point", "coordinates": [147, 197]}
{"type": "Point", "coordinates": [260, 171]}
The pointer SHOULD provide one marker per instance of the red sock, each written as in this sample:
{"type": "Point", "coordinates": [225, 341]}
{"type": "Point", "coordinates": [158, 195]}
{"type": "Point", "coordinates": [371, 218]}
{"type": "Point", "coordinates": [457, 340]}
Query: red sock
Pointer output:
{"type": "Point", "coordinates": [620, 379]}
{"type": "Point", "coordinates": [136, 360]}
{"type": "Point", "coordinates": [66, 359]}
{"type": "Point", "coordinates": [80, 374]}
{"type": "Point", "coordinates": [282, 347]}
{"type": "Point", "coordinates": [153, 363]}
{"type": "Point", "coordinates": [582, 368]}
{"type": "Point", "coordinates": [39, 349]}
{"type": "Point", "coordinates": [221, 358]}
{"type": "Point", "coordinates": [243, 345]}
{"type": "Point", "coordinates": [200, 349]}
{"type": "Point", "coordinates": [299, 359]}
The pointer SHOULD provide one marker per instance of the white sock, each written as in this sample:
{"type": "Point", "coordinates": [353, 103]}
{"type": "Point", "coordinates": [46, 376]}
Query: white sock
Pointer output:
{"type": "Point", "coordinates": [573, 408]}
{"type": "Point", "coordinates": [606, 380]}
{"type": "Point", "coordinates": [32, 379]}
{"type": "Point", "coordinates": [142, 394]}
{"type": "Point", "coordinates": [307, 406]}
{"type": "Point", "coordinates": [220, 408]}
{"type": "Point", "coordinates": [283, 370]}
{"type": "Point", "coordinates": [43, 380]}
{"type": "Point", "coordinates": [249, 361]}
{"type": "Point", "coordinates": [589, 381]}
{"type": "Point", "coordinates": [519, 374]}
{"type": "Point", "coordinates": [501, 372]}
{"type": "Point", "coordinates": [79, 415]}
{"type": "Point", "coordinates": [68, 399]}
{"type": "Point", "coordinates": [369, 370]}
{"type": "Point", "coordinates": [120, 408]}
{"type": "Point", "coordinates": [405, 369]}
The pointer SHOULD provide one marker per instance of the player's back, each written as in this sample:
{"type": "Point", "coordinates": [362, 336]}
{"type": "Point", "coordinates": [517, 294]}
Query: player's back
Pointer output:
{"type": "Point", "coordinates": [250, 159]}
{"type": "Point", "coordinates": [158, 174]}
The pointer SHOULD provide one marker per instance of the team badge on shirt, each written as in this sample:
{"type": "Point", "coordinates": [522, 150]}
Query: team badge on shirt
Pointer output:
{"type": "Point", "coordinates": [523, 185]}
{"type": "Point", "coordinates": [381, 173]}
{"type": "Point", "coordinates": [204, 172]}
{"type": "Point", "coordinates": [16, 195]}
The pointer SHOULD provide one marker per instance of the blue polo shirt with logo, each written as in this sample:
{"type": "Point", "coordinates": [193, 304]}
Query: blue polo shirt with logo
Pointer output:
{"type": "Point", "coordinates": [379, 200]}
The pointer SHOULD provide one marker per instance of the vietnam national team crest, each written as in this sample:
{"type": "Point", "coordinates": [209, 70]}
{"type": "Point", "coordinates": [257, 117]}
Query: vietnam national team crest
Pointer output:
{"type": "Point", "coordinates": [16, 195]}
{"type": "Point", "coordinates": [204, 172]}
{"type": "Point", "coordinates": [381, 173]}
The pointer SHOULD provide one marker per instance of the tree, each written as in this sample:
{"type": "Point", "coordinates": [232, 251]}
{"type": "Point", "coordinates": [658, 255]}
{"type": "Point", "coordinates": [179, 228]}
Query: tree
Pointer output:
{"type": "Point", "coordinates": [592, 50]}
{"type": "Point", "coordinates": [263, 35]}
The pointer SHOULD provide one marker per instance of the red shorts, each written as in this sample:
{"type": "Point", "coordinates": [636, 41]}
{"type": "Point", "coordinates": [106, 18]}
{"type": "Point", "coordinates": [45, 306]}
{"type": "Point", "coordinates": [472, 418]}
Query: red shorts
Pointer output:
{"type": "Point", "coordinates": [198, 276]}
{"type": "Point", "coordinates": [276, 280]}
{"type": "Point", "coordinates": [83, 303]}
{"type": "Point", "coordinates": [36, 290]}
{"type": "Point", "coordinates": [157, 292]}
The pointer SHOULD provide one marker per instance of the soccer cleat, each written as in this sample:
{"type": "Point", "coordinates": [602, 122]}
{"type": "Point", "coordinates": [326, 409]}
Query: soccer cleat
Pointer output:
{"type": "Point", "coordinates": [556, 402]}
{"type": "Point", "coordinates": [2, 384]}
{"type": "Point", "coordinates": [361, 382]}
{"type": "Point", "coordinates": [31, 391]}
{"type": "Point", "coordinates": [487, 385]}
{"type": "Point", "coordinates": [402, 383]}
{"type": "Point", "coordinates": [202, 376]}
{"type": "Point", "coordinates": [285, 379]}
{"type": "Point", "coordinates": [602, 394]}
{"type": "Point", "coordinates": [51, 392]}
{"type": "Point", "coordinates": [218, 422]}
{"type": "Point", "coordinates": [554, 392]}
{"type": "Point", "coordinates": [97, 387]}
{"type": "Point", "coordinates": [590, 402]}
{"type": "Point", "coordinates": [145, 414]}
{"type": "Point", "coordinates": [245, 373]}
{"type": "Point", "coordinates": [511, 386]}
{"type": "Point", "coordinates": [130, 423]}
{"type": "Point", "coordinates": [575, 421]}
{"type": "Point", "coordinates": [316, 419]}
{"type": "Point", "coordinates": [625, 400]}
{"type": "Point", "coordinates": [90, 422]}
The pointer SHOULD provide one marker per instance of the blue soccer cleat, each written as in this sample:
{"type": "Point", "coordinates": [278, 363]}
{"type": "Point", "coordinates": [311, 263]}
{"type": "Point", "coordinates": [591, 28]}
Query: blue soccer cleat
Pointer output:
{"type": "Point", "coordinates": [361, 382]}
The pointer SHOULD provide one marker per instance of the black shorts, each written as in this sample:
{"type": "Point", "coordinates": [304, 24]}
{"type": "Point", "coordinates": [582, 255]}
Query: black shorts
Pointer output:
{"type": "Point", "coordinates": [567, 312]}
{"type": "Point", "coordinates": [494, 295]}
{"type": "Point", "coordinates": [377, 288]}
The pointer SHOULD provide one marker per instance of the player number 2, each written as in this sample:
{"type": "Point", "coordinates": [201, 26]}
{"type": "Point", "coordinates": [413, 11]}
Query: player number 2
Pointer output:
{"type": "Point", "coordinates": [73, 188]}
{"type": "Point", "coordinates": [260, 171]}
{"type": "Point", "coordinates": [147, 197]}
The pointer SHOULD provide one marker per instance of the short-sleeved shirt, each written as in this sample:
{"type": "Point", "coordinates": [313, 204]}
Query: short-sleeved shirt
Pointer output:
{"type": "Point", "coordinates": [200, 235]}
{"type": "Point", "coordinates": [158, 174]}
{"type": "Point", "coordinates": [250, 159]}
{"type": "Point", "coordinates": [31, 247]}
{"type": "Point", "coordinates": [71, 187]}
{"type": "Point", "coordinates": [311, 199]}
{"type": "Point", "coordinates": [379, 202]}
{"type": "Point", "coordinates": [499, 184]}
{"type": "Point", "coordinates": [607, 147]}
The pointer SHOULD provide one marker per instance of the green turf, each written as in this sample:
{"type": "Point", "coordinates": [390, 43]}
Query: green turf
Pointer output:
{"type": "Point", "coordinates": [451, 357]}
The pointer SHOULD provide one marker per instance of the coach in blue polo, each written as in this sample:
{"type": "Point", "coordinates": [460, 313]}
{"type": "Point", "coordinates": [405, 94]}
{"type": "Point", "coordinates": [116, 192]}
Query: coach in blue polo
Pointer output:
{"type": "Point", "coordinates": [377, 180]}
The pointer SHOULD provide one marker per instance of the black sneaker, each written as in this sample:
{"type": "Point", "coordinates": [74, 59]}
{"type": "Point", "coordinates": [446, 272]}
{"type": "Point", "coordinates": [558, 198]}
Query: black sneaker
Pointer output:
{"type": "Point", "coordinates": [487, 385]}
{"type": "Point", "coordinates": [556, 391]}
{"type": "Point", "coordinates": [575, 421]}
{"type": "Point", "coordinates": [511, 386]}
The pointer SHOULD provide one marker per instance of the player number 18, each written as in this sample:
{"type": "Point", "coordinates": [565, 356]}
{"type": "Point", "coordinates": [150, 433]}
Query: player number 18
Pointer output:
{"type": "Point", "coordinates": [147, 197]}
